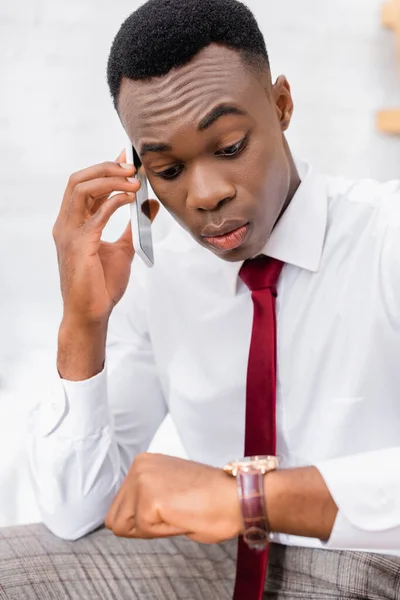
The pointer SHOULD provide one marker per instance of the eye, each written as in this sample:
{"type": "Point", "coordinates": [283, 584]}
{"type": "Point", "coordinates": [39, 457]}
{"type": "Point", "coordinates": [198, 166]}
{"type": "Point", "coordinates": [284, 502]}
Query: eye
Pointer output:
{"type": "Point", "coordinates": [171, 173]}
{"type": "Point", "coordinates": [233, 150]}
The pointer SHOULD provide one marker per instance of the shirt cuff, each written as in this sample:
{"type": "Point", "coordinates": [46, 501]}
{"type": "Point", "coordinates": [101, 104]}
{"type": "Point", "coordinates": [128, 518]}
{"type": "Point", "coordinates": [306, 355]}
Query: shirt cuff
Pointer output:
{"type": "Point", "coordinates": [346, 536]}
{"type": "Point", "coordinates": [366, 490]}
{"type": "Point", "coordinates": [74, 409]}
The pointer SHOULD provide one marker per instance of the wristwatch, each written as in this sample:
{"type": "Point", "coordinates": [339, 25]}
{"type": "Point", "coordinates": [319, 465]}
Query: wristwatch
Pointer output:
{"type": "Point", "coordinates": [249, 473]}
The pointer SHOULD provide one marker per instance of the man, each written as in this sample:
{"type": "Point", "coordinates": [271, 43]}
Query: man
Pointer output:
{"type": "Point", "coordinates": [195, 335]}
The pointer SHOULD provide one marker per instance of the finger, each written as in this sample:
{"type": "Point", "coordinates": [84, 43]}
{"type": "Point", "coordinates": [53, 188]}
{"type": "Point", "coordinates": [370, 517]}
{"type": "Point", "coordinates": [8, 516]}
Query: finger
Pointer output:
{"type": "Point", "coordinates": [202, 538]}
{"type": "Point", "coordinates": [159, 530]}
{"type": "Point", "coordinates": [122, 527]}
{"type": "Point", "coordinates": [126, 237]}
{"type": "Point", "coordinates": [125, 242]}
{"type": "Point", "coordinates": [100, 201]}
{"type": "Point", "coordinates": [106, 169]}
{"type": "Point", "coordinates": [120, 518]}
{"type": "Point", "coordinates": [121, 157]}
{"type": "Point", "coordinates": [97, 203]}
{"type": "Point", "coordinates": [114, 509]}
{"type": "Point", "coordinates": [87, 193]}
{"type": "Point", "coordinates": [100, 219]}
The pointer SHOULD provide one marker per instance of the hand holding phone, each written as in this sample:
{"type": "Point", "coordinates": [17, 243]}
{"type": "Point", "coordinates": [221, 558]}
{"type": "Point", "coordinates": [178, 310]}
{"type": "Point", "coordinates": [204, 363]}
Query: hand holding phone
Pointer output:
{"type": "Point", "coordinates": [140, 211]}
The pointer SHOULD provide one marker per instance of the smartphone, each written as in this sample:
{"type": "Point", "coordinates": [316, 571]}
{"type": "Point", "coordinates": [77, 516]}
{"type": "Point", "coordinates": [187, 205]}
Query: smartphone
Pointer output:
{"type": "Point", "coordinates": [140, 213]}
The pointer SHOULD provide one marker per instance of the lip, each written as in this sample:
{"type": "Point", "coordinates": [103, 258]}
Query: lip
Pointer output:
{"type": "Point", "coordinates": [230, 240]}
{"type": "Point", "coordinates": [224, 228]}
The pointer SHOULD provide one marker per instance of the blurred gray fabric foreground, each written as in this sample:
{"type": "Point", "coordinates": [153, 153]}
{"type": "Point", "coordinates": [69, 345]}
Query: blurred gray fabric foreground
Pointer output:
{"type": "Point", "coordinates": [35, 565]}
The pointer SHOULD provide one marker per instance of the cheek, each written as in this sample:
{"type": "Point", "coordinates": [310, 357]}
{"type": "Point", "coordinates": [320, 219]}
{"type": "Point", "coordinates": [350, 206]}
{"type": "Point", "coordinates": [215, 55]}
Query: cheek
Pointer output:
{"type": "Point", "coordinates": [173, 199]}
{"type": "Point", "coordinates": [256, 171]}
{"type": "Point", "coordinates": [270, 171]}
{"type": "Point", "coordinates": [171, 195]}
{"type": "Point", "coordinates": [278, 181]}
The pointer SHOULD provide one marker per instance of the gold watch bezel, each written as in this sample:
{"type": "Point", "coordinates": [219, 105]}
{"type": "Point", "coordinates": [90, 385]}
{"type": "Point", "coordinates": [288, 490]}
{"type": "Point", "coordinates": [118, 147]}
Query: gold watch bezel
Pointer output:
{"type": "Point", "coordinates": [263, 464]}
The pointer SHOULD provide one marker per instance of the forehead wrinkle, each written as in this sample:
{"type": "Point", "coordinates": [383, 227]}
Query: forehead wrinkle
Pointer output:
{"type": "Point", "coordinates": [204, 69]}
{"type": "Point", "coordinates": [188, 98]}
{"type": "Point", "coordinates": [191, 86]}
{"type": "Point", "coordinates": [225, 61]}
{"type": "Point", "coordinates": [196, 76]}
{"type": "Point", "coordinates": [186, 114]}
{"type": "Point", "coordinates": [161, 99]}
{"type": "Point", "coordinates": [187, 93]}
{"type": "Point", "coordinates": [190, 103]}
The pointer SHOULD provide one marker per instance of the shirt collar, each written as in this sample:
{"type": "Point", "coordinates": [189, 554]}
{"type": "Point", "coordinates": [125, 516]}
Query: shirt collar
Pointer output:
{"type": "Point", "coordinates": [298, 238]}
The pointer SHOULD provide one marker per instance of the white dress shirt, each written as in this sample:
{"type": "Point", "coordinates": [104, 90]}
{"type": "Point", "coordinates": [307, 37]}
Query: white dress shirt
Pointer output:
{"type": "Point", "coordinates": [179, 342]}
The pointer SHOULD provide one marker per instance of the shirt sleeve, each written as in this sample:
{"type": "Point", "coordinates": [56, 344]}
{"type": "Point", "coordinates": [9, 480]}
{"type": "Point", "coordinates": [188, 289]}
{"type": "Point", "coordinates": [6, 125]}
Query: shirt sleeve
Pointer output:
{"type": "Point", "coordinates": [85, 435]}
{"type": "Point", "coordinates": [366, 486]}
{"type": "Point", "coordinates": [366, 490]}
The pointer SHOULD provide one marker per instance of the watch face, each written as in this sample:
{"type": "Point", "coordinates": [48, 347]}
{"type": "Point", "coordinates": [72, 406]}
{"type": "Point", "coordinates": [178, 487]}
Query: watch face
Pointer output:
{"type": "Point", "coordinates": [256, 463]}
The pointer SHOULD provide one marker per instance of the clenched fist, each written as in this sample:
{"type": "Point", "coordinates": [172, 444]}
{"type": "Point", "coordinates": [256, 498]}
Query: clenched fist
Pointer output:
{"type": "Point", "coordinates": [164, 496]}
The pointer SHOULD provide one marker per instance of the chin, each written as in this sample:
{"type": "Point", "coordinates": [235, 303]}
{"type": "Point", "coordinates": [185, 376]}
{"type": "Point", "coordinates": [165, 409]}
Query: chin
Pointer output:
{"type": "Point", "coordinates": [238, 254]}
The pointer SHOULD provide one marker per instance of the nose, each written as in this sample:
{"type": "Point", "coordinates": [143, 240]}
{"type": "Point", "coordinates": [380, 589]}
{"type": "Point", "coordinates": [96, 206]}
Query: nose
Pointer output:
{"type": "Point", "coordinates": [208, 190]}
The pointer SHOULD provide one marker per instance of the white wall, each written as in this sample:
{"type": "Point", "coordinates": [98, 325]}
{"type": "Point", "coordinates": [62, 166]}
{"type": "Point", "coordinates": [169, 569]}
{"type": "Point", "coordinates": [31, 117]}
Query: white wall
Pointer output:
{"type": "Point", "coordinates": [56, 117]}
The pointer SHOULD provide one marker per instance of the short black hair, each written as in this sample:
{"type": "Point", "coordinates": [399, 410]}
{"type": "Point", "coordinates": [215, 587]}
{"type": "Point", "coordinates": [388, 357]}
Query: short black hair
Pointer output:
{"type": "Point", "coordinates": [165, 34]}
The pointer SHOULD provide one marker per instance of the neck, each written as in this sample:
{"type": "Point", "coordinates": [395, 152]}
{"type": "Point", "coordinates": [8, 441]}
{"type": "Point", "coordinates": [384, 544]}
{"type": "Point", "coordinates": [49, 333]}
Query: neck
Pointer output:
{"type": "Point", "coordinates": [294, 180]}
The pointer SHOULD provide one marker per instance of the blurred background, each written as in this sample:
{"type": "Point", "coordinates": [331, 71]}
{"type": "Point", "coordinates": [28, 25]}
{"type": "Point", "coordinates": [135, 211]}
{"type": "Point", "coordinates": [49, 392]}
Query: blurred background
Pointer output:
{"type": "Point", "coordinates": [56, 117]}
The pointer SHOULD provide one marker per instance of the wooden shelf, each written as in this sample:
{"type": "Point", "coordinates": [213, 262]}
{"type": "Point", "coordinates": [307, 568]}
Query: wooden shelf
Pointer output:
{"type": "Point", "coordinates": [388, 121]}
{"type": "Point", "coordinates": [389, 14]}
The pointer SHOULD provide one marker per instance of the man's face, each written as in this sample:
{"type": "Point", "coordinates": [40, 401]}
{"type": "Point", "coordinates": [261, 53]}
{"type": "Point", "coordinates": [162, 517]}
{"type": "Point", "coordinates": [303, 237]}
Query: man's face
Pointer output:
{"type": "Point", "coordinates": [210, 136]}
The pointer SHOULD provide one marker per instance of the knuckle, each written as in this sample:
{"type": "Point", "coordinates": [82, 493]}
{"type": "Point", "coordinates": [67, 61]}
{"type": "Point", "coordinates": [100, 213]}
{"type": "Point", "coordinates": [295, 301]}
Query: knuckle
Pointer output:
{"type": "Point", "coordinates": [121, 522]}
{"type": "Point", "coordinates": [79, 188]}
{"type": "Point", "coordinates": [141, 461]}
{"type": "Point", "coordinates": [109, 167]}
{"type": "Point", "coordinates": [144, 456]}
{"type": "Point", "coordinates": [117, 527]}
{"type": "Point", "coordinates": [128, 196]}
{"type": "Point", "coordinates": [142, 522]}
{"type": "Point", "coordinates": [73, 179]}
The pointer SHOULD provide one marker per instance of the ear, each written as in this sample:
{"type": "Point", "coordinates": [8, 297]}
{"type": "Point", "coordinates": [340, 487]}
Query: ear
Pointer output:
{"type": "Point", "coordinates": [283, 101]}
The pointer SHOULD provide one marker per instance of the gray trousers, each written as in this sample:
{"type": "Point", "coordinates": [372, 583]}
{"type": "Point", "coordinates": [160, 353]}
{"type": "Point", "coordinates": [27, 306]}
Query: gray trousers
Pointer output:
{"type": "Point", "coordinates": [35, 565]}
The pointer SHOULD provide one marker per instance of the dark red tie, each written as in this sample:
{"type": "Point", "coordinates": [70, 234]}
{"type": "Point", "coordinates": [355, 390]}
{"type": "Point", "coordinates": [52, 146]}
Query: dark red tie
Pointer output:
{"type": "Point", "coordinates": [261, 276]}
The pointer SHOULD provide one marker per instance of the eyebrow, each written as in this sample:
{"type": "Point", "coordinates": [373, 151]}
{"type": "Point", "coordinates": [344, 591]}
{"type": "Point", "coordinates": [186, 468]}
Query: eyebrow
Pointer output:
{"type": "Point", "coordinates": [219, 111]}
{"type": "Point", "coordinates": [216, 113]}
{"type": "Point", "coordinates": [154, 148]}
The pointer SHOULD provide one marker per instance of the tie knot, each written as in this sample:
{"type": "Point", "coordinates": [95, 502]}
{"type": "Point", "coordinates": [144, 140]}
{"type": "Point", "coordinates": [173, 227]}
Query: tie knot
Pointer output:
{"type": "Point", "coordinates": [261, 272]}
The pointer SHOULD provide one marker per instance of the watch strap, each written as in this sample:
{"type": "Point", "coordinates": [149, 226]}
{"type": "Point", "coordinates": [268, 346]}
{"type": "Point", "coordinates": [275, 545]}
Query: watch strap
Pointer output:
{"type": "Point", "coordinates": [251, 495]}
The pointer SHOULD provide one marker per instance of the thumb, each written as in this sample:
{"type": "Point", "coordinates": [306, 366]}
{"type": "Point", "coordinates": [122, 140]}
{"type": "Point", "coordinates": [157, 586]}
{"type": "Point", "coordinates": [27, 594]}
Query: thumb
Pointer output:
{"type": "Point", "coordinates": [126, 238]}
